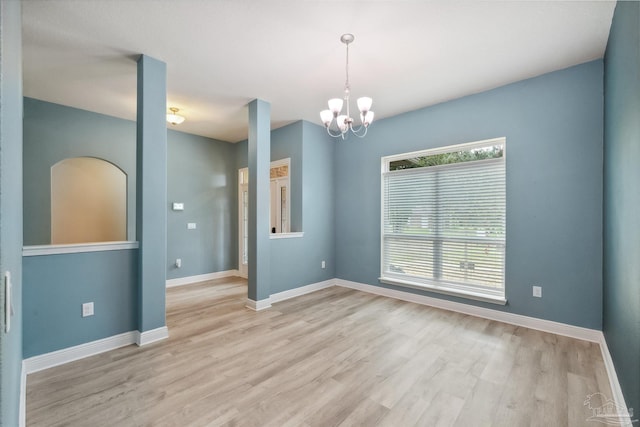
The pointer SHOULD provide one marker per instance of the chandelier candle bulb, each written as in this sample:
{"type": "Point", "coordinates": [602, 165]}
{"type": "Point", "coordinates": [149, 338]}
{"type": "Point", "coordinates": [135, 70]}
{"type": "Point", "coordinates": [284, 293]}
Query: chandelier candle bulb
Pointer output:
{"type": "Point", "coordinates": [335, 105]}
{"type": "Point", "coordinates": [364, 104]}
{"type": "Point", "coordinates": [344, 122]}
{"type": "Point", "coordinates": [326, 116]}
{"type": "Point", "coordinates": [367, 119]}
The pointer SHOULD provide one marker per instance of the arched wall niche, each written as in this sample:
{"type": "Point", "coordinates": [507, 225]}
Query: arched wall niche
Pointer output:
{"type": "Point", "coordinates": [88, 201]}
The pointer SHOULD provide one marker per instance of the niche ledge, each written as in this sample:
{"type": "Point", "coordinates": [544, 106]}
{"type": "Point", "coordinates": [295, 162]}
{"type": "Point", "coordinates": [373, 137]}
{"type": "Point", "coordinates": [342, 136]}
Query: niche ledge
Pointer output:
{"type": "Point", "coordinates": [286, 235]}
{"type": "Point", "coordinates": [77, 248]}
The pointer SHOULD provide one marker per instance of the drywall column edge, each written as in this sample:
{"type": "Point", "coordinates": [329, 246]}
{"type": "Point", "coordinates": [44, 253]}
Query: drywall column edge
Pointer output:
{"type": "Point", "coordinates": [151, 192]}
{"type": "Point", "coordinates": [11, 209]}
{"type": "Point", "coordinates": [259, 159]}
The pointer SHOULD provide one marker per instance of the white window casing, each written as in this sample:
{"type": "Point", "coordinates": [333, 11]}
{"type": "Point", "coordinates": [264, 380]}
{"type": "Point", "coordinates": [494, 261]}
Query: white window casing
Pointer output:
{"type": "Point", "coordinates": [444, 226]}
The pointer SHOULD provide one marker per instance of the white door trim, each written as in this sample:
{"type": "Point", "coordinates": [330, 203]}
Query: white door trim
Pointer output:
{"type": "Point", "coordinates": [242, 186]}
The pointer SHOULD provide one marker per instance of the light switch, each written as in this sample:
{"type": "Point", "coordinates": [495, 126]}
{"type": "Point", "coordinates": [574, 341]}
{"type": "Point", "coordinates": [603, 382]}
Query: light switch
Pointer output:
{"type": "Point", "coordinates": [178, 206]}
{"type": "Point", "coordinates": [191, 226]}
{"type": "Point", "coordinates": [537, 291]}
{"type": "Point", "coordinates": [87, 309]}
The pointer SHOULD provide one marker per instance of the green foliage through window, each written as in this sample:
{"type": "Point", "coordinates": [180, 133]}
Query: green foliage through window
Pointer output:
{"type": "Point", "coordinates": [461, 156]}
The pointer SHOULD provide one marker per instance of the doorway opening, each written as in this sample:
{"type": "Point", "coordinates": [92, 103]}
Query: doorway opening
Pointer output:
{"type": "Point", "coordinates": [279, 209]}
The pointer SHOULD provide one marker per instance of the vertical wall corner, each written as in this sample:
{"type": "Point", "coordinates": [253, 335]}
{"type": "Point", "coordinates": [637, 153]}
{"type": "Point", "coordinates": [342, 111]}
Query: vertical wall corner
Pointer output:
{"type": "Point", "coordinates": [151, 194]}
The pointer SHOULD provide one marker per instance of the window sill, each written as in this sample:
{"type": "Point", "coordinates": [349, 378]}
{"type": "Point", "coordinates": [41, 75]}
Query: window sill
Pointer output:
{"type": "Point", "coordinates": [286, 235]}
{"type": "Point", "coordinates": [446, 291]}
{"type": "Point", "coordinates": [77, 248]}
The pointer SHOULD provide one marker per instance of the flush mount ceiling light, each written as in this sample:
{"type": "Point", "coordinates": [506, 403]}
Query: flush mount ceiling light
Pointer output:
{"type": "Point", "coordinates": [174, 118]}
{"type": "Point", "coordinates": [337, 124]}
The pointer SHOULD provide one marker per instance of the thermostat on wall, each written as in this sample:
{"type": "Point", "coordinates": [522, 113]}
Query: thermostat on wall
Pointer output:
{"type": "Point", "coordinates": [178, 206]}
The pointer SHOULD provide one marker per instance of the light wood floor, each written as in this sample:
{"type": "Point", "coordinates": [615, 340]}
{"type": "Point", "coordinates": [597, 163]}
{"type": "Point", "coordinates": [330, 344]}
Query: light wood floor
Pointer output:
{"type": "Point", "coordinates": [334, 357]}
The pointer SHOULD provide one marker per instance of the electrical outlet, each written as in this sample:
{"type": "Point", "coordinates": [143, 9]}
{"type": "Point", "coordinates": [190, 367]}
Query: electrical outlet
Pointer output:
{"type": "Point", "coordinates": [323, 265]}
{"type": "Point", "coordinates": [87, 309]}
{"type": "Point", "coordinates": [537, 291]}
{"type": "Point", "coordinates": [191, 226]}
{"type": "Point", "coordinates": [178, 263]}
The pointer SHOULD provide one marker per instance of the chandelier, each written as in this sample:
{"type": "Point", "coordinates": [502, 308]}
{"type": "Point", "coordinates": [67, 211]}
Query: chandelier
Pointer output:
{"type": "Point", "coordinates": [338, 124]}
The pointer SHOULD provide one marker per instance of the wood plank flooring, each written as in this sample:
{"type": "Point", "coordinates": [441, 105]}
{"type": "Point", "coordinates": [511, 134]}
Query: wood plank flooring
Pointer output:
{"type": "Point", "coordinates": [336, 357]}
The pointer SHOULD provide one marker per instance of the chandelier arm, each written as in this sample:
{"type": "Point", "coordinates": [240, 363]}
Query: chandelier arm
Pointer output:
{"type": "Point", "coordinates": [334, 135]}
{"type": "Point", "coordinates": [358, 131]}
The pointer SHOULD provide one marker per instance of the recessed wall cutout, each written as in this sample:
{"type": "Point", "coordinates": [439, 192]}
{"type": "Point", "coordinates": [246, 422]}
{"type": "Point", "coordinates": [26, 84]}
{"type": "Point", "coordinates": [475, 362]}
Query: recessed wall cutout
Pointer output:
{"type": "Point", "coordinates": [88, 201]}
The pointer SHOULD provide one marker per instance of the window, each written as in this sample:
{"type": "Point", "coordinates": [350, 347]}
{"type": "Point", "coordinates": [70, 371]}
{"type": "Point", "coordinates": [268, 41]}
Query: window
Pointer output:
{"type": "Point", "coordinates": [443, 220]}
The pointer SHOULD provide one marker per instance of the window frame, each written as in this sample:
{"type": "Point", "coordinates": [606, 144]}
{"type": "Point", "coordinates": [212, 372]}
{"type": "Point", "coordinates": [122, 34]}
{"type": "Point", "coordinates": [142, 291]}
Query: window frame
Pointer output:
{"type": "Point", "coordinates": [443, 287]}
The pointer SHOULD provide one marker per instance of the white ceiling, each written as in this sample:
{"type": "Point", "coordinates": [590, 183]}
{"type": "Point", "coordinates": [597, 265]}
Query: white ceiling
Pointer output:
{"type": "Point", "coordinates": [221, 54]}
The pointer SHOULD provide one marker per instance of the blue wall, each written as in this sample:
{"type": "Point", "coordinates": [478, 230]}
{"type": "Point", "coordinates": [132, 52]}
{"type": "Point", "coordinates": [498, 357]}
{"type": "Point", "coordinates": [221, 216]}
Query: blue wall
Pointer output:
{"type": "Point", "coordinates": [53, 133]}
{"type": "Point", "coordinates": [56, 286]}
{"type": "Point", "coordinates": [553, 126]}
{"type": "Point", "coordinates": [151, 192]}
{"type": "Point", "coordinates": [287, 142]}
{"type": "Point", "coordinates": [296, 262]}
{"type": "Point", "coordinates": [202, 175]}
{"type": "Point", "coordinates": [318, 204]}
{"type": "Point", "coordinates": [258, 205]}
{"type": "Point", "coordinates": [10, 206]}
{"type": "Point", "coordinates": [622, 199]}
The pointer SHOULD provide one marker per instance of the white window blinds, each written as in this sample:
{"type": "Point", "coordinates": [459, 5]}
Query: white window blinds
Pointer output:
{"type": "Point", "coordinates": [443, 219]}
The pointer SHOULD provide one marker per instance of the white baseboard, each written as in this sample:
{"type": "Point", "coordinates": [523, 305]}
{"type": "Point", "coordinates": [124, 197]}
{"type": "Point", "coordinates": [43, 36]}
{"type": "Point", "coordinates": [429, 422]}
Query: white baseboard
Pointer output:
{"type": "Point", "coordinates": [571, 331]}
{"type": "Point", "coordinates": [258, 305]}
{"type": "Point", "coordinates": [181, 281]}
{"type": "Point", "coordinates": [288, 294]}
{"type": "Point", "coordinates": [66, 355]}
{"type": "Point", "coordinates": [486, 313]}
{"type": "Point", "coordinates": [148, 337]}
{"type": "Point", "coordinates": [302, 290]}
{"type": "Point", "coordinates": [618, 397]}
{"type": "Point", "coordinates": [22, 420]}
